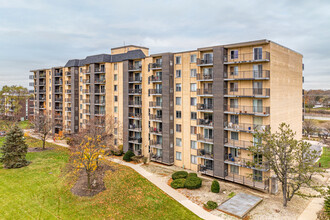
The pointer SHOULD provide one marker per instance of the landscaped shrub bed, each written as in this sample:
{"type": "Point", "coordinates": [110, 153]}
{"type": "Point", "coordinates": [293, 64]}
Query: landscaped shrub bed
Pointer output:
{"type": "Point", "coordinates": [182, 179]}
{"type": "Point", "coordinates": [128, 156]}
{"type": "Point", "coordinates": [179, 175]}
{"type": "Point", "coordinates": [193, 183]}
{"type": "Point", "coordinates": [211, 205]}
{"type": "Point", "coordinates": [192, 175]}
{"type": "Point", "coordinates": [178, 183]}
{"type": "Point", "coordinates": [215, 187]}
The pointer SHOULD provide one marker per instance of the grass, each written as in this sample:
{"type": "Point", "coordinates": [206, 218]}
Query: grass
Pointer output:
{"type": "Point", "coordinates": [325, 158]}
{"type": "Point", "coordinates": [42, 191]}
{"type": "Point", "coordinates": [23, 124]}
{"type": "Point", "coordinates": [231, 195]}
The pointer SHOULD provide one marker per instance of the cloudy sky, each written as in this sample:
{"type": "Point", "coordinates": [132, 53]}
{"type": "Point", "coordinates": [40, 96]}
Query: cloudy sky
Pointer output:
{"type": "Point", "coordinates": [43, 33]}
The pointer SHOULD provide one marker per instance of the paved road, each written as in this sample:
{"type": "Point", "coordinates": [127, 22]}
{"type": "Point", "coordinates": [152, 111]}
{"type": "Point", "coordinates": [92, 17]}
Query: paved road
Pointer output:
{"type": "Point", "coordinates": [318, 118]}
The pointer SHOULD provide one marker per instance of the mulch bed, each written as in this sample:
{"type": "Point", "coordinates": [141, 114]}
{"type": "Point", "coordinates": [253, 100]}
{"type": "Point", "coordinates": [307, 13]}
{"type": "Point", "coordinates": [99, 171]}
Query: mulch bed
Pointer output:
{"type": "Point", "coordinates": [80, 187]}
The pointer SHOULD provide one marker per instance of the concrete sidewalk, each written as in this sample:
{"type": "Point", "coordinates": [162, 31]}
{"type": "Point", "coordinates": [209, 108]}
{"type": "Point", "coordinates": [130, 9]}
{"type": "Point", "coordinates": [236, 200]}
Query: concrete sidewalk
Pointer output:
{"type": "Point", "coordinates": [49, 140]}
{"type": "Point", "coordinates": [199, 211]}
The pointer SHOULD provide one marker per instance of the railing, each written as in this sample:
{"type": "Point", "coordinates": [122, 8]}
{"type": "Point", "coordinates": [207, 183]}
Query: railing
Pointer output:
{"type": "Point", "coordinates": [100, 91]}
{"type": "Point", "coordinates": [135, 91]}
{"type": "Point", "coordinates": [134, 115]}
{"type": "Point", "coordinates": [68, 118]}
{"type": "Point", "coordinates": [59, 107]}
{"type": "Point", "coordinates": [135, 140]}
{"type": "Point", "coordinates": [204, 153]}
{"type": "Point", "coordinates": [86, 81]}
{"type": "Point", "coordinates": [58, 73]}
{"type": "Point", "coordinates": [248, 92]}
{"type": "Point", "coordinates": [204, 76]}
{"type": "Point", "coordinates": [205, 122]}
{"type": "Point", "coordinates": [204, 92]}
{"type": "Point", "coordinates": [245, 127]}
{"type": "Point", "coordinates": [43, 90]}
{"type": "Point", "coordinates": [88, 71]}
{"type": "Point", "coordinates": [86, 91]}
{"type": "Point", "coordinates": [57, 83]}
{"type": "Point", "coordinates": [155, 65]}
{"type": "Point", "coordinates": [156, 78]}
{"type": "Point", "coordinates": [133, 102]}
{"type": "Point", "coordinates": [204, 107]}
{"type": "Point", "coordinates": [208, 170]}
{"type": "Point", "coordinates": [68, 82]}
{"type": "Point", "coordinates": [248, 181]}
{"type": "Point", "coordinates": [98, 112]}
{"type": "Point", "coordinates": [68, 109]}
{"type": "Point", "coordinates": [67, 100]}
{"type": "Point", "coordinates": [42, 75]}
{"type": "Point", "coordinates": [241, 109]}
{"type": "Point", "coordinates": [155, 104]}
{"type": "Point", "coordinates": [57, 90]}
{"type": "Point", "coordinates": [155, 130]}
{"type": "Point", "coordinates": [58, 117]}
{"type": "Point", "coordinates": [204, 61]}
{"type": "Point", "coordinates": [245, 162]}
{"type": "Point", "coordinates": [99, 70]}
{"type": "Point", "coordinates": [253, 74]}
{"type": "Point", "coordinates": [86, 101]}
{"type": "Point", "coordinates": [58, 99]}
{"type": "Point", "coordinates": [99, 101]}
{"type": "Point", "coordinates": [157, 158]}
{"type": "Point", "coordinates": [86, 111]}
{"type": "Point", "coordinates": [68, 73]}
{"type": "Point", "coordinates": [264, 56]}
{"type": "Point", "coordinates": [135, 79]}
{"type": "Point", "coordinates": [58, 126]}
{"type": "Point", "coordinates": [42, 98]}
{"type": "Point", "coordinates": [135, 67]}
{"type": "Point", "coordinates": [155, 143]}
{"type": "Point", "coordinates": [135, 127]}
{"type": "Point", "coordinates": [155, 91]}
{"type": "Point", "coordinates": [42, 83]}
{"type": "Point", "coordinates": [155, 117]}
{"type": "Point", "coordinates": [100, 81]}
{"type": "Point", "coordinates": [201, 137]}
{"type": "Point", "coordinates": [238, 143]}
{"type": "Point", "coordinates": [68, 91]}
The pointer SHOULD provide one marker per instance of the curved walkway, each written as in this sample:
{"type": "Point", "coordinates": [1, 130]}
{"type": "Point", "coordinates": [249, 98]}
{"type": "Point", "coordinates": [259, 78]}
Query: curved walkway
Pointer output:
{"type": "Point", "coordinates": [199, 211]}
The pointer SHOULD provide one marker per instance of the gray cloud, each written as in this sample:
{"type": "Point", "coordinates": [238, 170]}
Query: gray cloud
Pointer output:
{"type": "Point", "coordinates": [39, 33]}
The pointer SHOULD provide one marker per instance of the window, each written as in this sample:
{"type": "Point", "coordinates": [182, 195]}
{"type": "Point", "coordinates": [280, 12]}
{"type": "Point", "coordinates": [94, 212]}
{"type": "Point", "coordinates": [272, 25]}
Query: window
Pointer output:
{"type": "Point", "coordinates": [115, 131]}
{"type": "Point", "coordinates": [115, 109]}
{"type": "Point", "coordinates": [81, 97]}
{"type": "Point", "coordinates": [193, 87]}
{"type": "Point", "coordinates": [233, 87]}
{"type": "Point", "coordinates": [234, 54]}
{"type": "Point", "coordinates": [178, 155]}
{"type": "Point", "coordinates": [257, 175]}
{"type": "Point", "coordinates": [193, 130]}
{"type": "Point", "coordinates": [178, 142]}
{"type": "Point", "coordinates": [193, 115]}
{"type": "Point", "coordinates": [115, 88]}
{"type": "Point", "coordinates": [178, 87]}
{"type": "Point", "coordinates": [116, 98]}
{"type": "Point", "coordinates": [193, 144]}
{"type": "Point", "coordinates": [234, 119]}
{"type": "Point", "coordinates": [178, 60]}
{"type": "Point", "coordinates": [233, 103]}
{"type": "Point", "coordinates": [80, 88]}
{"type": "Point", "coordinates": [178, 100]}
{"type": "Point", "coordinates": [178, 74]}
{"type": "Point", "coordinates": [50, 96]}
{"type": "Point", "coordinates": [80, 115]}
{"type": "Point", "coordinates": [257, 53]}
{"type": "Point", "coordinates": [80, 106]}
{"type": "Point", "coordinates": [115, 77]}
{"type": "Point", "coordinates": [178, 114]}
{"type": "Point", "coordinates": [193, 101]}
{"type": "Point", "coordinates": [193, 159]}
{"type": "Point", "coordinates": [50, 104]}
{"type": "Point", "coordinates": [234, 169]}
{"type": "Point", "coordinates": [81, 70]}
{"type": "Point", "coordinates": [178, 128]}
{"type": "Point", "coordinates": [234, 136]}
{"type": "Point", "coordinates": [116, 119]}
{"type": "Point", "coordinates": [115, 141]}
{"type": "Point", "coordinates": [234, 70]}
{"type": "Point", "coordinates": [193, 58]}
{"type": "Point", "coordinates": [115, 66]}
{"type": "Point", "coordinates": [80, 79]}
{"type": "Point", "coordinates": [193, 73]}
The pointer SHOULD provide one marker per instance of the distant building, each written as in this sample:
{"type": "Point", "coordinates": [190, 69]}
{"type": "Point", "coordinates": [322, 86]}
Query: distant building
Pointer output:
{"type": "Point", "coordinates": [25, 103]}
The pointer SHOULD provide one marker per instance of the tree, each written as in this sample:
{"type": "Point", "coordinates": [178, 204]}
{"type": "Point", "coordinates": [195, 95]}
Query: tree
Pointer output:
{"type": "Point", "coordinates": [14, 149]}
{"type": "Point", "coordinates": [43, 124]}
{"type": "Point", "coordinates": [309, 126]}
{"type": "Point", "coordinates": [292, 161]}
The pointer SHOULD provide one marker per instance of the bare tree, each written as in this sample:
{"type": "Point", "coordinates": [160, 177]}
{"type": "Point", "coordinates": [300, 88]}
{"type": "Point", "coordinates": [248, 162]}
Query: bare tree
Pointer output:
{"type": "Point", "coordinates": [309, 126]}
{"type": "Point", "coordinates": [43, 125]}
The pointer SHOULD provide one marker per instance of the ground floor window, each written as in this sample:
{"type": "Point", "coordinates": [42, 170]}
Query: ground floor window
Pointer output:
{"type": "Point", "coordinates": [137, 147]}
{"type": "Point", "coordinates": [178, 155]}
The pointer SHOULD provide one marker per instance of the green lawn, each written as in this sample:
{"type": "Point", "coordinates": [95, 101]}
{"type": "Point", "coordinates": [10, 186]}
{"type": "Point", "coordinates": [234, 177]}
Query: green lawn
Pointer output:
{"type": "Point", "coordinates": [325, 158]}
{"type": "Point", "coordinates": [22, 124]}
{"type": "Point", "coordinates": [41, 191]}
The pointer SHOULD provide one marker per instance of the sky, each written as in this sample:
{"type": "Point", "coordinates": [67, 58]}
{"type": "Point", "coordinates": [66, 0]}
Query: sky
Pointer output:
{"type": "Point", "coordinates": [42, 33]}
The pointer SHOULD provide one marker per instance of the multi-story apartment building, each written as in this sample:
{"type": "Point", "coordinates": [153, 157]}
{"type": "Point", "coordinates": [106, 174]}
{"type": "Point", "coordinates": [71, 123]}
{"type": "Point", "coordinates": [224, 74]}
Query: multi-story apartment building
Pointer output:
{"type": "Point", "coordinates": [195, 109]}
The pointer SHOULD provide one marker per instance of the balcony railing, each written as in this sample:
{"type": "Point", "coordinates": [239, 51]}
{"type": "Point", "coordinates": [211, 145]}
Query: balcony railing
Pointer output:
{"type": "Point", "coordinates": [155, 65]}
{"type": "Point", "coordinates": [68, 82]}
{"type": "Point", "coordinates": [155, 117]}
{"type": "Point", "coordinates": [155, 91]}
{"type": "Point", "coordinates": [155, 130]}
{"type": "Point", "coordinates": [58, 90]}
{"type": "Point", "coordinates": [86, 81]}
{"type": "Point", "coordinates": [67, 100]}
{"type": "Point", "coordinates": [42, 75]}
{"type": "Point", "coordinates": [204, 107]}
{"type": "Point", "coordinates": [58, 73]}
{"type": "Point", "coordinates": [134, 115]}
{"type": "Point", "coordinates": [43, 91]}
{"type": "Point", "coordinates": [135, 127]}
{"type": "Point", "coordinates": [135, 140]}
{"type": "Point", "coordinates": [68, 118]}
{"type": "Point", "coordinates": [247, 92]}
{"type": "Point", "coordinates": [58, 125]}
{"type": "Point", "coordinates": [205, 92]}
{"type": "Point", "coordinates": [156, 158]}
{"type": "Point", "coordinates": [155, 144]}
{"type": "Point", "coordinates": [59, 107]}
{"type": "Point", "coordinates": [205, 122]}
{"type": "Point", "coordinates": [245, 127]}
{"type": "Point", "coordinates": [86, 101]}
{"type": "Point", "coordinates": [238, 143]}
{"type": "Point", "coordinates": [99, 70]}
{"type": "Point", "coordinates": [58, 99]}
{"type": "Point", "coordinates": [99, 102]}
{"type": "Point", "coordinates": [205, 77]}
{"type": "Point", "coordinates": [86, 111]}
{"type": "Point", "coordinates": [156, 78]}
{"type": "Point", "coordinates": [249, 110]}
{"type": "Point", "coordinates": [155, 104]}
{"type": "Point", "coordinates": [86, 91]}
{"type": "Point", "coordinates": [135, 91]}
{"type": "Point", "coordinates": [99, 81]}
{"type": "Point", "coordinates": [98, 112]}
{"type": "Point", "coordinates": [100, 91]}
{"type": "Point", "coordinates": [42, 98]}
{"type": "Point", "coordinates": [248, 181]}
{"type": "Point", "coordinates": [135, 68]}
{"type": "Point", "coordinates": [246, 75]}
{"type": "Point", "coordinates": [58, 83]}
{"type": "Point", "coordinates": [68, 109]}
{"type": "Point", "coordinates": [204, 153]}
{"type": "Point", "coordinates": [203, 138]}
{"type": "Point", "coordinates": [247, 57]}
{"type": "Point", "coordinates": [68, 91]}
{"type": "Point", "coordinates": [68, 73]}
{"type": "Point", "coordinates": [134, 103]}
{"type": "Point", "coordinates": [135, 79]}
{"type": "Point", "coordinates": [203, 62]}
{"type": "Point", "coordinates": [245, 162]}
{"type": "Point", "coordinates": [207, 170]}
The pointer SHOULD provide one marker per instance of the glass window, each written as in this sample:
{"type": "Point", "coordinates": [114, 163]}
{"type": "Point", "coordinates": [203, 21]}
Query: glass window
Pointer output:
{"type": "Point", "coordinates": [193, 101]}
{"type": "Point", "coordinates": [193, 130]}
{"type": "Point", "coordinates": [193, 159]}
{"type": "Point", "coordinates": [115, 87]}
{"type": "Point", "coordinates": [115, 66]}
{"type": "Point", "coordinates": [178, 73]}
{"type": "Point", "coordinates": [193, 58]}
{"type": "Point", "coordinates": [193, 144]}
{"type": "Point", "coordinates": [234, 119]}
{"type": "Point", "coordinates": [178, 114]}
{"type": "Point", "coordinates": [178, 128]}
{"type": "Point", "coordinates": [178, 60]}
{"type": "Point", "coordinates": [116, 98]}
{"type": "Point", "coordinates": [234, 169]}
{"type": "Point", "coordinates": [115, 77]}
{"type": "Point", "coordinates": [234, 54]}
{"type": "Point", "coordinates": [193, 87]}
{"type": "Point", "coordinates": [178, 155]}
{"type": "Point", "coordinates": [178, 100]}
{"type": "Point", "coordinates": [193, 73]}
{"type": "Point", "coordinates": [178, 142]}
{"type": "Point", "coordinates": [193, 115]}
{"type": "Point", "coordinates": [234, 136]}
{"type": "Point", "coordinates": [116, 109]}
{"type": "Point", "coordinates": [178, 87]}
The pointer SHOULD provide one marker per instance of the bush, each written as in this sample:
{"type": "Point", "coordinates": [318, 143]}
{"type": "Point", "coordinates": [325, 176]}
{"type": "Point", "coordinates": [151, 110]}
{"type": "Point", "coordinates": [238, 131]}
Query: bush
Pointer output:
{"type": "Point", "coordinates": [192, 175]}
{"type": "Point", "coordinates": [145, 160]}
{"type": "Point", "coordinates": [211, 205]}
{"type": "Point", "coordinates": [232, 194]}
{"type": "Point", "coordinates": [178, 183]}
{"type": "Point", "coordinates": [193, 183]}
{"type": "Point", "coordinates": [128, 155]}
{"type": "Point", "coordinates": [215, 187]}
{"type": "Point", "coordinates": [179, 175]}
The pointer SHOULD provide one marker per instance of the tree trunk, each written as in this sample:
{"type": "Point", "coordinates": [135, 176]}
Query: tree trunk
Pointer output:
{"type": "Point", "coordinates": [285, 201]}
{"type": "Point", "coordinates": [43, 143]}
{"type": "Point", "coordinates": [88, 180]}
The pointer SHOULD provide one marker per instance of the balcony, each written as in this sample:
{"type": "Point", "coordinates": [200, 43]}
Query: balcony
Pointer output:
{"type": "Point", "coordinates": [136, 116]}
{"type": "Point", "coordinates": [58, 74]}
{"type": "Point", "coordinates": [155, 79]}
{"type": "Point", "coordinates": [135, 140]}
{"type": "Point", "coordinates": [135, 91]}
{"type": "Point", "coordinates": [86, 91]}
{"type": "Point", "coordinates": [205, 77]}
{"type": "Point", "coordinates": [155, 144]}
{"type": "Point", "coordinates": [68, 82]}
{"type": "Point", "coordinates": [68, 100]}
{"type": "Point", "coordinates": [244, 127]}
{"type": "Point", "coordinates": [68, 109]}
{"type": "Point", "coordinates": [68, 91]}
{"type": "Point", "coordinates": [58, 99]}
{"type": "Point", "coordinates": [205, 139]}
{"type": "Point", "coordinates": [205, 107]}
{"type": "Point", "coordinates": [238, 144]}
{"type": "Point", "coordinates": [205, 92]}
{"type": "Point", "coordinates": [133, 103]}
{"type": "Point", "coordinates": [156, 158]}
{"type": "Point", "coordinates": [134, 68]}
{"type": "Point", "coordinates": [248, 163]}
{"type": "Point", "coordinates": [86, 101]}
{"type": "Point", "coordinates": [99, 69]}
{"type": "Point", "coordinates": [42, 98]}
{"type": "Point", "coordinates": [99, 91]}
{"type": "Point", "coordinates": [157, 118]}
{"type": "Point", "coordinates": [247, 75]}
{"type": "Point", "coordinates": [134, 127]}
{"type": "Point", "coordinates": [205, 123]}
{"type": "Point", "coordinates": [155, 104]}
{"type": "Point", "coordinates": [59, 108]}
{"type": "Point", "coordinates": [67, 128]}
{"type": "Point", "coordinates": [204, 62]}
{"type": "Point", "coordinates": [135, 79]}
{"type": "Point", "coordinates": [58, 116]}
{"type": "Point", "coordinates": [155, 91]}
{"type": "Point", "coordinates": [205, 154]}
{"type": "Point", "coordinates": [99, 81]}
{"type": "Point", "coordinates": [43, 91]}
{"type": "Point", "coordinates": [204, 169]}
{"type": "Point", "coordinates": [155, 66]}
{"type": "Point", "coordinates": [58, 83]}
{"type": "Point", "coordinates": [68, 118]}
{"type": "Point", "coordinates": [99, 102]}
{"type": "Point", "coordinates": [68, 73]}
{"type": "Point", "coordinates": [156, 131]}
{"type": "Point", "coordinates": [99, 112]}
{"type": "Point", "coordinates": [247, 92]}
{"type": "Point", "coordinates": [86, 111]}
{"type": "Point", "coordinates": [248, 181]}
{"type": "Point", "coordinates": [57, 91]}
{"type": "Point", "coordinates": [247, 58]}
{"type": "Point", "coordinates": [247, 110]}
{"type": "Point", "coordinates": [42, 75]}
{"type": "Point", "coordinates": [58, 125]}
{"type": "Point", "coordinates": [86, 81]}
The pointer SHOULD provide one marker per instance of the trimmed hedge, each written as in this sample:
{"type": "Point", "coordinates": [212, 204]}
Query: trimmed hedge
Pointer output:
{"type": "Point", "coordinates": [193, 183]}
{"type": "Point", "coordinates": [211, 205]}
{"type": "Point", "coordinates": [128, 155]}
{"type": "Point", "coordinates": [215, 187]}
{"type": "Point", "coordinates": [178, 183]}
{"type": "Point", "coordinates": [179, 175]}
{"type": "Point", "coordinates": [192, 175]}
